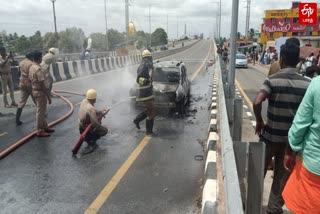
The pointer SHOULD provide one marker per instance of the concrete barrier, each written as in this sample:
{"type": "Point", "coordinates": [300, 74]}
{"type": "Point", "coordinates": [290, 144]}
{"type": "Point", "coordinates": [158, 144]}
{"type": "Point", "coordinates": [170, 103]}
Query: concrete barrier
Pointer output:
{"type": "Point", "coordinates": [210, 189]}
{"type": "Point", "coordinates": [61, 71]}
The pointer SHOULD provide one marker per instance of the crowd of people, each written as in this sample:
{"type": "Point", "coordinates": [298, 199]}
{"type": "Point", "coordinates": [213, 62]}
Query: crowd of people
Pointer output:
{"type": "Point", "coordinates": [35, 81]}
{"type": "Point", "coordinates": [291, 133]}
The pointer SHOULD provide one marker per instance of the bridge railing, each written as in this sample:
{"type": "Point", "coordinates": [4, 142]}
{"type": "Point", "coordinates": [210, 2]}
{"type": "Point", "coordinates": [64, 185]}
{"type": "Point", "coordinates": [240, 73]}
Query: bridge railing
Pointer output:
{"type": "Point", "coordinates": [242, 162]}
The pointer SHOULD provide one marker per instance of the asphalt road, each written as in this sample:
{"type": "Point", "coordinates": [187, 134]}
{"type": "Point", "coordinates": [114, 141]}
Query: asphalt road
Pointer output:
{"type": "Point", "coordinates": [251, 80]}
{"type": "Point", "coordinates": [138, 174]}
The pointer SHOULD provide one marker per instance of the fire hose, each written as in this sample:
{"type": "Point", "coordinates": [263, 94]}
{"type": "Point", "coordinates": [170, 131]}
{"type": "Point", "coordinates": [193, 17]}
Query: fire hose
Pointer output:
{"type": "Point", "coordinates": [32, 134]}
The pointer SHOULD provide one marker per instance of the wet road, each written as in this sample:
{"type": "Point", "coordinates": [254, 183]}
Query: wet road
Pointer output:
{"type": "Point", "coordinates": [138, 174]}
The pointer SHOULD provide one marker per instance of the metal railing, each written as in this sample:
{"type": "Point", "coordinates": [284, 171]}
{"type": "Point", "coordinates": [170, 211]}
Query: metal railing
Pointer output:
{"type": "Point", "coordinates": [232, 191]}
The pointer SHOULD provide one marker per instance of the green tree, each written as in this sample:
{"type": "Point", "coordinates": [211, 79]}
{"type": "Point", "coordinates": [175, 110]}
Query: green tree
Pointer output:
{"type": "Point", "coordinates": [36, 41]}
{"type": "Point", "coordinates": [71, 40]}
{"type": "Point", "coordinates": [22, 45]}
{"type": "Point", "coordinates": [50, 40]}
{"type": "Point", "coordinates": [99, 41]}
{"type": "Point", "coordinates": [115, 38]}
{"type": "Point", "coordinates": [251, 33]}
{"type": "Point", "coordinates": [159, 37]}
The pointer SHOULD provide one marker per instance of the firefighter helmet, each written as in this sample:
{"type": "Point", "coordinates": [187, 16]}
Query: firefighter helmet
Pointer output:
{"type": "Point", "coordinates": [52, 50]}
{"type": "Point", "coordinates": [146, 53]}
{"type": "Point", "coordinates": [91, 94]}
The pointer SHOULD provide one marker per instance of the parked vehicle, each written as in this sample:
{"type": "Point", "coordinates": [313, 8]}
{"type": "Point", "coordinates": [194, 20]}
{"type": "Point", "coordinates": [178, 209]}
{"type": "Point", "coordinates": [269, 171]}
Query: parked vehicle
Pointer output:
{"type": "Point", "coordinates": [171, 86]}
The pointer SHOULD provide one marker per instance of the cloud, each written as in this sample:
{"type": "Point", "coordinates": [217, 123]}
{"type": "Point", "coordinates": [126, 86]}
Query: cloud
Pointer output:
{"type": "Point", "coordinates": [27, 16]}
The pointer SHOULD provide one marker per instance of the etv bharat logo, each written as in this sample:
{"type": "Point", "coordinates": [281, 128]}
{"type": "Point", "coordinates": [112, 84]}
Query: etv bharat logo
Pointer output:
{"type": "Point", "coordinates": [308, 13]}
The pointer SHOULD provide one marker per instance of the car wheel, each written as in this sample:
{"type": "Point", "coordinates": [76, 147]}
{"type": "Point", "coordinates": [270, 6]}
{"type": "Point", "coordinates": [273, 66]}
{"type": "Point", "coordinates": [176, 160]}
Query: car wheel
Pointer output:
{"type": "Point", "coordinates": [181, 107]}
{"type": "Point", "coordinates": [188, 98]}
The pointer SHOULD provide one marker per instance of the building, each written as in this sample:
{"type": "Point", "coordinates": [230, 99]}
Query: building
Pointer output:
{"type": "Point", "coordinates": [285, 23]}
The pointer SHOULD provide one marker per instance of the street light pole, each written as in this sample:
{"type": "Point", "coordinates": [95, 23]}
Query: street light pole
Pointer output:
{"type": "Point", "coordinates": [54, 16]}
{"type": "Point", "coordinates": [105, 16]}
{"type": "Point", "coordinates": [150, 24]}
{"type": "Point", "coordinates": [233, 35]}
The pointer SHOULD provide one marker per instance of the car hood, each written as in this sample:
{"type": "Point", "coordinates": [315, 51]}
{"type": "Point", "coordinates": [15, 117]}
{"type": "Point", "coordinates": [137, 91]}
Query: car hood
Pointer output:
{"type": "Point", "coordinates": [241, 60]}
{"type": "Point", "coordinates": [165, 87]}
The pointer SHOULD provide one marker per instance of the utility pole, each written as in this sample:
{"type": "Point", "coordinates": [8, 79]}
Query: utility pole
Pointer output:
{"type": "Point", "coordinates": [127, 17]}
{"type": "Point", "coordinates": [220, 19]}
{"type": "Point", "coordinates": [233, 35]}
{"type": "Point", "coordinates": [248, 18]}
{"type": "Point", "coordinates": [185, 29]}
{"type": "Point", "coordinates": [105, 16]}
{"type": "Point", "coordinates": [167, 27]}
{"type": "Point", "coordinates": [54, 16]}
{"type": "Point", "coordinates": [178, 28]}
{"type": "Point", "coordinates": [150, 24]}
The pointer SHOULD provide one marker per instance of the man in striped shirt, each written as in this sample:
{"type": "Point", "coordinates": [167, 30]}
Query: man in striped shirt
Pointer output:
{"type": "Point", "coordinates": [284, 91]}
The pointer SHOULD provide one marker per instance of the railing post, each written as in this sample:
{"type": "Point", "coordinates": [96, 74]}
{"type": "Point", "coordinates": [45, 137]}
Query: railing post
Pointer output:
{"type": "Point", "coordinates": [237, 120]}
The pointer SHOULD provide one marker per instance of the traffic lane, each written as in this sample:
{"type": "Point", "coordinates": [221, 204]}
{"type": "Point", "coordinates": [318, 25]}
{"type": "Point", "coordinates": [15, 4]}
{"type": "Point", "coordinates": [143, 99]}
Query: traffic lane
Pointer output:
{"type": "Point", "coordinates": [122, 83]}
{"type": "Point", "coordinates": [166, 177]}
{"type": "Point", "coordinates": [58, 171]}
{"type": "Point", "coordinates": [251, 81]}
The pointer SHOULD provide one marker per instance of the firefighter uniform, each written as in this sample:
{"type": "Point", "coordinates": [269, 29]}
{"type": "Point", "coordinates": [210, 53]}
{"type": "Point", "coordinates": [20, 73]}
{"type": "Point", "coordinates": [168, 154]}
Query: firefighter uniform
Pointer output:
{"type": "Point", "coordinates": [89, 115]}
{"type": "Point", "coordinates": [39, 93]}
{"type": "Point", "coordinates": [24, 85]}
{"type": "Point", "coordinates": [47, 60]}
{"type": "Point", "coordinates": [145, 92]}
{"type": "Point", "coordinates": [6, 81]}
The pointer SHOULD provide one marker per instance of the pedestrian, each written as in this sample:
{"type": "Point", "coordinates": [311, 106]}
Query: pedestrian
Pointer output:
{"type": "Point", "coordinates": [284, 91]}
{"type": "Point", "coordinates": [275, 67]}
{"type": "Point", "coordinates": [89, 115]}
{"type": "Point", "coordinates": [47, 60]}
{"type": "Point", "coordinates": [6, 77]}
{"type": "Point", "coordinates": [24, 85]}
{"type": "Point", "coordinates": [40, 95]}
{"type": "Point", "coordinates": [302, 191]}
{"type": "Point", "coordinates": [311, 72]}
{"type": "Point", "coordinates": [145, 92]}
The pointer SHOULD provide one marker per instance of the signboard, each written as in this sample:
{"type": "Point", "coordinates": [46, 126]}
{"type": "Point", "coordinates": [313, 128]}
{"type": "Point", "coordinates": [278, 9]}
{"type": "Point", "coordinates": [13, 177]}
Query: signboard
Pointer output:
{"type": "Point", "coordinates": [308, 13]}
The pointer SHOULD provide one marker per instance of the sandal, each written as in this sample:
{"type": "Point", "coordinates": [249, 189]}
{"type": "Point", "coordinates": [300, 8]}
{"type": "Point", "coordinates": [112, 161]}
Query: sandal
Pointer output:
{"type": "Point", "coordinates": [7, 106]}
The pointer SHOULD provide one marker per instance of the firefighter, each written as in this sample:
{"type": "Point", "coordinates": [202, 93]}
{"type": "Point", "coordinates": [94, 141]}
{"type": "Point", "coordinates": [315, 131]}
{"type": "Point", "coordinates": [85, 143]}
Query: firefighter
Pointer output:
{"type": "Point", "coordinates": [6, 78]}
{"type": "Point", "coordinates": [24, 84]}
{"type": "Point", "coordinates": [47, 60]}
{"type": "Point", "coordinates": [40, 95]}
{"type": "Point", "coordinates": [89, 115]}
{"type": "Point", "coordinates": [145, 92]}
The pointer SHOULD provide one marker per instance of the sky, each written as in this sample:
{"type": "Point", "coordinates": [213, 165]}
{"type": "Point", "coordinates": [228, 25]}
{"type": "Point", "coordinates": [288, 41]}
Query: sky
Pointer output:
{"type": "Point", "coordinates": [199, 16]}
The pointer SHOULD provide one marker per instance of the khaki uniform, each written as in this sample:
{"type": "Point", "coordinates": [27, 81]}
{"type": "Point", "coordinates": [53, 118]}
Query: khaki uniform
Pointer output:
{"type": "Point", "coordinates": [274, 68]}
{"type": "Point", "coordinates": [39, 93]}
{"type": "Point", "coordinates": [47, 60]}
{"type": "Point", "coordinates": [6, 80]}
{"type": "Point", "coordinates": [88, 115]}
{"type": "Point", "coordinates": [25, 84]}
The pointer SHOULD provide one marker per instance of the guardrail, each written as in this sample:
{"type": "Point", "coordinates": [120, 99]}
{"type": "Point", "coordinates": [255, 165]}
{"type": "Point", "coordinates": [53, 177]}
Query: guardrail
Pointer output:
{"type": "Point", "coordinates": [242, 162]}
{"type": "Point", "coordinates": [72, 69]}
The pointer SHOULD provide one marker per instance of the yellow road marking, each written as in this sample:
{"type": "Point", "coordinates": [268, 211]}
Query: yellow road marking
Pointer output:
{"type": "Point", "coordinates": [107, 190]}
{"type": "Point", "coordinates": [203, 63]}
{"type": "Point", "coordinates": [244, 95]}
{"type": "Point", "coordinates": [3, 134]}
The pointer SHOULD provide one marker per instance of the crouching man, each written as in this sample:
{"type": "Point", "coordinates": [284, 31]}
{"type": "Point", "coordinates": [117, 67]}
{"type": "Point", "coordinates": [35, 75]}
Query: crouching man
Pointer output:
{"type": "Point", "coordinates": [89, 115]}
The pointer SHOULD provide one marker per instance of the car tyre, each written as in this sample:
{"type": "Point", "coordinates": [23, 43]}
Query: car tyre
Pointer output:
{"type": "Point", "coordinates": [181, 107]}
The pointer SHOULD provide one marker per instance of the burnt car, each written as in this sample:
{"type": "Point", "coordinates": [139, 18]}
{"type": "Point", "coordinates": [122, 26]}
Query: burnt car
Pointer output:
{"type": "Point", "coordinates": [171, 86]}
